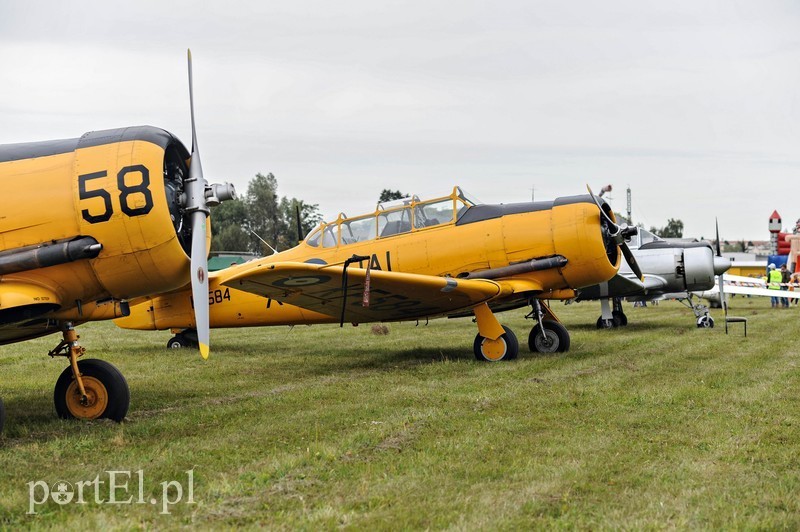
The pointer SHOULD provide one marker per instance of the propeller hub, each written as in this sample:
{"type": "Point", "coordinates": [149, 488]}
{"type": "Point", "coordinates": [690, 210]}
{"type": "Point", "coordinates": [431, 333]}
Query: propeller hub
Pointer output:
{"type": "Point", "coordinates": [217, 193]}
{"type": "Point", "coordinates": [721, 265]}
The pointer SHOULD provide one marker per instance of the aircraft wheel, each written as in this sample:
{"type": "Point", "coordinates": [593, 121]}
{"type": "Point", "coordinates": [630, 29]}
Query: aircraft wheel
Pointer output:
{"type": "Point", "coordinates": [705, 322]}
{"type": "Point", "coordinates": [601, 324]}
{"type": "Point", "coordinates": [177, 342]}
{"type": "Point", "coordinates": [620, 319]}
{"type": "Point", "coordinates": [106, 389]}
{"type": "Point", "coordinates": [555, 339]}
{"type": "Point", "coordinates": [504, 348]}
{"type": "Point", "coordinates": [2, 416]}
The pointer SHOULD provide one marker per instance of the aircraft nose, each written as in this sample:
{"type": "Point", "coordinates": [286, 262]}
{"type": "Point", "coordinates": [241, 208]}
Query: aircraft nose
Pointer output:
{"type": "Point", "coordinates": [721, 265]}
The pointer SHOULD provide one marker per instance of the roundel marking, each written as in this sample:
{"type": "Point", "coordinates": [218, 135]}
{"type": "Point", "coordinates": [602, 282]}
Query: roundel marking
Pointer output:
{"type": "Point", "coordinates": [305, 280]}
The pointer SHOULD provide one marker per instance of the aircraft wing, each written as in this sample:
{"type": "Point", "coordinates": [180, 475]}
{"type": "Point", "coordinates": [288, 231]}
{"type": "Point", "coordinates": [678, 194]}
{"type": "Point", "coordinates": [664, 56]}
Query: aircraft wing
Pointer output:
{"type": "Point", "coordinates": [392, 295]}
{"type": "Point", "coordinates": [654, 283]}
{"type": "Point", "coordinates": [753, 291]}
{"type": "Point", "coordinates": [618, 286]}
{"type": "Point", "coordinates": [626, 284]}
{"type": "Point", "coordinates": [749, 286]}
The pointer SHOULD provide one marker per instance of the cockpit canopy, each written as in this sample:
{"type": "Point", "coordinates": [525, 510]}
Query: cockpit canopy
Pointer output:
{"type": "Point", "coordinates": [392, 218]}
{"type": "Point", "coordinates": [643, 237]}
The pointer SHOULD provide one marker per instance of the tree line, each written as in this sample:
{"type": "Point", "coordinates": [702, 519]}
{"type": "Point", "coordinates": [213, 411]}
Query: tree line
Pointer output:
{"type": "Point", "coordinates": [261, 216]}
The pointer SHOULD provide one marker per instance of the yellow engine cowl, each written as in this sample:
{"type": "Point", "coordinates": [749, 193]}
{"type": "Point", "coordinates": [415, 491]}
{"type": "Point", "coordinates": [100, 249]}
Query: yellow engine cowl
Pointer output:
{"type": "Point", "coordinates": [578, 234]}
{"type": "Point", "coordinates": [120, 188]}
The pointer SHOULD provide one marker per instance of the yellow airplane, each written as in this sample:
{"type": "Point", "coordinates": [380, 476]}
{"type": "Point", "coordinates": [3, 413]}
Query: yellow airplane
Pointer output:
{"type": "Point", "coordinates": [414, 259]}
{"type": "Point", "coordinates": [88, 224]}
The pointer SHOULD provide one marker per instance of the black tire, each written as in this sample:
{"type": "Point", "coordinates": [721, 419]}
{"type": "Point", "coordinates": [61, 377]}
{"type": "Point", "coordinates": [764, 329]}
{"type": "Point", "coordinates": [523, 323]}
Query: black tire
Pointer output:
{"type": "Point", "coordinates": [101, 379]}
{"type": "Point", "coordinates": [2, 416]}
{"type": "Point", "coordinates": [601, 324]}
{"type": "Point", "coordinates": [177, 342]}
{"type": "Point", "coordinates": [510, 352]}
{"type": "Point", "coordinates": [705, 322]}
{"type": "Point", "coordinates": [557, 340]}
{"type": "Point", "coordinates": [620, 319]}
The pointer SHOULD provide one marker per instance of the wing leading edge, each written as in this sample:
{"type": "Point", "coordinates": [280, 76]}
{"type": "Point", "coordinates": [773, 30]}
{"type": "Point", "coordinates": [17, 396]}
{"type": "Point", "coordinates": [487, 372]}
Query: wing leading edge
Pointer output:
{"type": "Point", "coordinates": [393, 296]}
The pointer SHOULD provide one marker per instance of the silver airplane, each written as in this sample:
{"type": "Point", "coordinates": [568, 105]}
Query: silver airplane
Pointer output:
{"type": "Point", "coordinates": [669, 270]}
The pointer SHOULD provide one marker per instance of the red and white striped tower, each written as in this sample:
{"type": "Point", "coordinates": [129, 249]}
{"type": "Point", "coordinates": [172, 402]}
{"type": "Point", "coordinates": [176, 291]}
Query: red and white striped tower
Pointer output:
{"type": "Point", "coordinates": [774, 229]}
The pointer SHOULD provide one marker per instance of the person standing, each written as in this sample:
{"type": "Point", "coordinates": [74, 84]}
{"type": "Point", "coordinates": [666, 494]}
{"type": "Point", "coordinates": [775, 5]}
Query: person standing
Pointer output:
{"type": "Point", "coordinates": [774, 283]}
{"type": "Point", "coordinates": [786, 278]}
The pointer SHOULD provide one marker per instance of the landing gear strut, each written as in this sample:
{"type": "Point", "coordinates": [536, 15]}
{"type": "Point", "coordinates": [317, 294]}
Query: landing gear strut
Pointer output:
{"type": "Point", "coordinates": [704, 319]}
{"type": "Point", "coordinates": [494, 342]}
{"type": "Point", "coordinates": [88, 389]}
{"type": "Point", "coordinates": [611, 316]}
{"type": "Point", "coordinates": [547, 335]}
{"type": "Point", "coordinates": [185, 338]}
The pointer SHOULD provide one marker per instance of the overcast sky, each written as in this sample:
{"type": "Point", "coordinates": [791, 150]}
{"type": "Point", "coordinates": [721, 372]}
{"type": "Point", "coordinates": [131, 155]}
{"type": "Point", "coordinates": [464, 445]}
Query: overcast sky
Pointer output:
{"type": "Point", "coordinates": [694, 104]}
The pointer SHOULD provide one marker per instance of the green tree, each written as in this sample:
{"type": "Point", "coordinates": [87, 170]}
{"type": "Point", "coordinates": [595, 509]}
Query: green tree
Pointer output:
{"type": "Point", "coordinates": [389, 195]}
{"type": "Point", "coordinates": [260, 212]}
{"type": "Point", "coordinates": [264, 218]}
{"type": "Point", "coordinates": [673, 229]}
{"type": "Point", "coordinates": [231, 238]}
{"type": "Point", "coordinates": [228, 221]}
{"type": "Point", "coordinates": [310, 217]}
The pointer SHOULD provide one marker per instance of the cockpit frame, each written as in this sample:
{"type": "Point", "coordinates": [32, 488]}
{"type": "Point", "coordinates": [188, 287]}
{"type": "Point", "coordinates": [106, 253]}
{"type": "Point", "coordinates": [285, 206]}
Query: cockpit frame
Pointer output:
{"type": "Point", "coordinates": [389, 219]}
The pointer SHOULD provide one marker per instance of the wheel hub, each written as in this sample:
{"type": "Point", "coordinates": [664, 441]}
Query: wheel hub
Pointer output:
{"type": "Point", "coordinates": [96, 399]}
{"type": "Point", "coordinates": [547, 343]}
{"type": "Point", "coordinates": [494, 349]}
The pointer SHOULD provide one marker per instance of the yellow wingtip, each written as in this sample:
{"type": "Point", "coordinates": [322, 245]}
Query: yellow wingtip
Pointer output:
{"type": "Point", "coordinates": [204, 351]}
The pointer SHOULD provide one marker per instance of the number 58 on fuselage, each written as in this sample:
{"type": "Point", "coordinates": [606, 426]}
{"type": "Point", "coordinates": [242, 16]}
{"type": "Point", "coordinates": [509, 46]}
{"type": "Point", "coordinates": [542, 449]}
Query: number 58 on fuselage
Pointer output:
{"type": "Point", "coordinates": [88, 224]}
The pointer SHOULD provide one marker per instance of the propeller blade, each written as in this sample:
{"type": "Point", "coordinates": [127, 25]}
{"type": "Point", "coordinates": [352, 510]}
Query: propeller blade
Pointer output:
{"type": "Point", "coordinates": [200, 281]}
{"type": "Point", "coordinates": [597, 202]}
{"type": "Point", "coordinates": [631, 260]}
{"type": "Point", "coordinates": [721, 282]}
{"type": "Point", "coordinates": [195, 187]}
{"type": "Point", "coordinates": [191, 100]}
{"type": "Point", "coordinates": [721, 268]}
{"type": "Point", "coordinates": [619, 234]}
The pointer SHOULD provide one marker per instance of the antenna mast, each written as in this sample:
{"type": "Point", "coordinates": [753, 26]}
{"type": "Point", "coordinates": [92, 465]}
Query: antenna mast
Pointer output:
{"type": "Point", "coordinates": [630, 220]}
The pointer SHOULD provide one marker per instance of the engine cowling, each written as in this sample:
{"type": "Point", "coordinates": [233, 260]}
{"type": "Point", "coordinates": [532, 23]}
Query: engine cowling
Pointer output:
{"type": "Point", "coordinates": [120, 188]}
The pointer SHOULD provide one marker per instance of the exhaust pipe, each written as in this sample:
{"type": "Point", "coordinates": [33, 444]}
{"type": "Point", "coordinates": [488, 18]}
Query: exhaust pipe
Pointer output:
{"type": "Point", "coordinates": [535, 265]}
{"type": "Point", "coordinates": [52, 254]}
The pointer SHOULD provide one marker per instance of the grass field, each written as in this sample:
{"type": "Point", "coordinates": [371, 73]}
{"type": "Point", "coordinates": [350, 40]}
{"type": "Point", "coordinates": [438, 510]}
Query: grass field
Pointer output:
{"type": "Point", "coordinates": [657, 425]}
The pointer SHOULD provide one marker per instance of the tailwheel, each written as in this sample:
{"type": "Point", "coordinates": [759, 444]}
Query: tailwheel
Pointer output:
{"type": "Point", "coordinates": [2, 416]}
{"type": "Point", "coordinates": [185, 338]}
{"type": "Point", "coordinates": [506, 347]}
{"type": "Point", "coordinates": [705, 322]}
{"type": "Point", "coordinates": [178, 341]}
{"type": "Point", "coordinates": [601, 324]}
{"type": "Point", "coordinates": [555, 338]}
{"type": "Point", "coordinates": [107, 392]}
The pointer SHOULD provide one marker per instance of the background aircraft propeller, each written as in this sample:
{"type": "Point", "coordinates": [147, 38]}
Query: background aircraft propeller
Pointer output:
{"type": "Point", "coordinates": [719, 273]}
{"type": "Point", "coordinates": [198, 197]}
{"type": "Point", "coordinates": [619, 233]}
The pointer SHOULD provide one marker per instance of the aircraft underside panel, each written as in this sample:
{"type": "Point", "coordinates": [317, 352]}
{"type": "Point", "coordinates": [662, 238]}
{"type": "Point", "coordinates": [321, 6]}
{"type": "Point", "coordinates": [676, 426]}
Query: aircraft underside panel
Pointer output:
{"type": "Point", "coordinates": [17, 332]}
